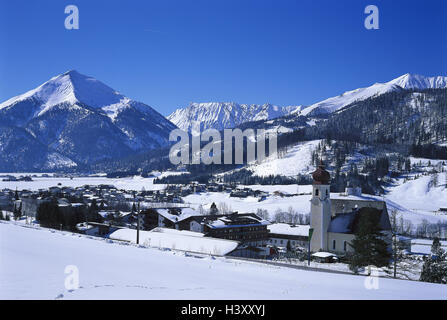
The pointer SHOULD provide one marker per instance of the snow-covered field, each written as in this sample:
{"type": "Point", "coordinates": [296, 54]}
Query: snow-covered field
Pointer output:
{"type": "Point", "coordinates": [128, 183]}
{"type": "Point", "coordinates": [423, 246]}
{"type": "Point", "coordinates": [33, 264]}
{"type": "Point", "coordinates": [301, 203]}
{"type": "Point", "coordinates": [284, 188]}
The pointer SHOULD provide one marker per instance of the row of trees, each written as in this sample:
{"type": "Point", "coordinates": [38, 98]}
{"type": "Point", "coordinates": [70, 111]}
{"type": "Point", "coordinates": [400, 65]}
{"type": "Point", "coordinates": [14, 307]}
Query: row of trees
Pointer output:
{"type": "Point", "coordinates": [290, 216]}
{"type": "Point", "coordinates": [51, 216]}
{"type": "Point", "coordinates": [247, 177]}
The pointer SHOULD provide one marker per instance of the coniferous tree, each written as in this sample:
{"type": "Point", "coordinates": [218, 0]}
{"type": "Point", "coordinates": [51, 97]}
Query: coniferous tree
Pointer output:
{"type": "Point", "coordinates": [92, 211]}
{"type": "Point", "coordinates": [289, 246]}
{"type": "Point", "coordinates": [213, 209]}
{"type": "Point", "coordinates": [49, 215]}
{"type": "Point", "coordinates": [369, 246]}
{"type": "Point", "coordinates": [18, 212]}
{"type": "Point", "coordinates": [435, 266]}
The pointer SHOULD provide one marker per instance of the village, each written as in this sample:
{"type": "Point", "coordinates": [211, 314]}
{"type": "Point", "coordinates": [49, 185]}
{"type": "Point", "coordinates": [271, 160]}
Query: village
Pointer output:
{"type": "Point", "coordinates": [163, 219]}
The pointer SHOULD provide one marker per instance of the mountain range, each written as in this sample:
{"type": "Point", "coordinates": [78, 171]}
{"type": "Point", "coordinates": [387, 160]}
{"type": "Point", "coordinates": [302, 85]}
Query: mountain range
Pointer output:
{"type": "Point", "coordinates": [406, 81]}
{"type": "Point", "coordinates": [224, 115]}
{"type": "Point", "coordinates": [74, 120]}
{"type": "Point", "coordinates": [221, 115]}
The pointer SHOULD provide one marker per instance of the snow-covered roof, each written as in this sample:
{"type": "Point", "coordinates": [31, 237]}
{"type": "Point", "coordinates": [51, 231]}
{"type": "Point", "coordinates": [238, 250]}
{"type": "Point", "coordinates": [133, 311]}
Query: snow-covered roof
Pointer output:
{"type": "Point", "coordinates": [323, 254]}
{"type": "Point", "coordinates": [178, 232]}
{"type": "Point", "coordinates": [342, 223]}
{"type": "Point", "coordinates": [185, 213]}
{"type": "Point", "coordinates": [287, 229]}
{"type": "Point", "coordinates": [348, 222]}
{"type": "Point", "coordinates": [84, 226]}
{"type": "Point", "coordinates": [237, 220]}
{"type": "Point", "coordinates": [178, 240]}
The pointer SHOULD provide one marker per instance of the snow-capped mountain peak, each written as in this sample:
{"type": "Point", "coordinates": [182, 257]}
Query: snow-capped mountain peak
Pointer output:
{"type": "Point", "coordinates": [415, 81]}
{"type": "Point", "coordinates": [70, 87]}
{"type": "Point", "coordinates": [71, 111]}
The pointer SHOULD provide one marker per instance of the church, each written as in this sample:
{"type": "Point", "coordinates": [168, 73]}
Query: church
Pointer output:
{"type": "Point", "coordinates": [335, 221]}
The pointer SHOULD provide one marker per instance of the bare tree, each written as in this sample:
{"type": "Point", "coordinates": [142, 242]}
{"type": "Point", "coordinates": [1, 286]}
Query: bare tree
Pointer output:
{"type": "Point", "coordinates": [279, 216]}
{"type": "Point", "coordinates": [404, 266]}
{"type": "Point", "coordinates": [224, 208]}
{"type": "Point", "coordinates": [262, 213]}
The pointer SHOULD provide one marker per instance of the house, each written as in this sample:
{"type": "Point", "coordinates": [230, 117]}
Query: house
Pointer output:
{"type": "Point", "coordinates": [246, 228]}
{"type": "Point", "coordinates": [174, 217]}
{"type": "Point", "coordinates": [334, 222]}
{"type": "Point", "coordinates": [55, 190]}
{"type": "Point", "coordinates": [282, 233]}
{"type": "Point", "coordinates": [252, 252]}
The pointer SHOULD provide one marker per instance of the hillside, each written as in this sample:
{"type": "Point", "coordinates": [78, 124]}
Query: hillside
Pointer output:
{"type": "Point", "coordinates": [400, 118]}
{"type": "Point", "coordinates": [109, 270]}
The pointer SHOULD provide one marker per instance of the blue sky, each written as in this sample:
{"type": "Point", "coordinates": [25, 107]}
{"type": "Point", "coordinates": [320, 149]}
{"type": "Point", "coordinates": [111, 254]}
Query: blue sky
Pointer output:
{"type": "Point", "coordinates": [168, 53]}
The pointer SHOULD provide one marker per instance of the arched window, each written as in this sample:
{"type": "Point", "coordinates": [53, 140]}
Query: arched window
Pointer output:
{"type": "Point", "coordinates": [345, 245]}
{"type": "Point", "coordinates": [333, 244]}
{"type": "Point", "coordinates": [327, 192]}
{"type": "Point", "coordinates": [316, 192]}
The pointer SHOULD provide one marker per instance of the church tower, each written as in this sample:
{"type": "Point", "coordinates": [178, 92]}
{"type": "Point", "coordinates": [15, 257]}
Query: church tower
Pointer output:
{"type": "Point", "coordinates": [320, 209]}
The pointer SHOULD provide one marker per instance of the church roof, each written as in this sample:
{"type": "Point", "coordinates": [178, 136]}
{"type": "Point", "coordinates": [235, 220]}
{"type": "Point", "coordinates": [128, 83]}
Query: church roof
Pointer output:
{"type": "Point", "coordinates": [321, 176]}
{"type": "Point", "coordinates": [349, 222]}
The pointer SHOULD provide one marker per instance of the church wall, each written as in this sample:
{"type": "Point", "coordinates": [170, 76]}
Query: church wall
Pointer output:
{"type": "Point", "coordinates": [340, 238]}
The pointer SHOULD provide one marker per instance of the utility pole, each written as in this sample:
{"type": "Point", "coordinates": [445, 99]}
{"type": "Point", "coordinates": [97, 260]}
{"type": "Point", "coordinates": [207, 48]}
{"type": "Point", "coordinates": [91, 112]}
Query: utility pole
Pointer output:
{"type": "Point", "coordinates": [311, 231]}
{"type": "Point", "coordinates": [138, 223]}
{"type": "Point", "coordinates": [395, 253]}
